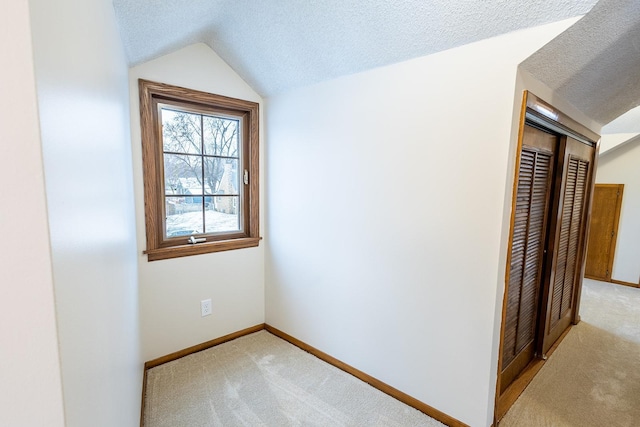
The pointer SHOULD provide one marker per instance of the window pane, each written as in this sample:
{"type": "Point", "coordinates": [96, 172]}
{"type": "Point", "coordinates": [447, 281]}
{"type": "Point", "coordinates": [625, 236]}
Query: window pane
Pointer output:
{"type": "Point", "coordinates": [222, 214]}
{"type": "Point", "coordinates": [181, 132]}
{"type": "Point", "coordinates": [220, 136]}
{"type": "Point", "coordinates": [184, 216]}
{"type": "Point", "coordinates": [221, 176]}
{"type": "Point", "coordinates": [182, 174]}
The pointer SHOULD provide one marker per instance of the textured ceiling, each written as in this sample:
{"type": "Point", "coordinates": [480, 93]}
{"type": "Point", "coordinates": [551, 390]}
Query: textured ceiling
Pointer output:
{"type": "Point", "coordinates": [626, 123]}
{"type": "Point", "coordinates": [276, 45]}
{"type": "Point", "coordinates": [595, 64]}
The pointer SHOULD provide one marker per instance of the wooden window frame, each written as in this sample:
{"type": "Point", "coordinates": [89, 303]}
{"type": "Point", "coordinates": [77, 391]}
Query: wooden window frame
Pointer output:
{"type": "Point", "coordinates": [158, 246]}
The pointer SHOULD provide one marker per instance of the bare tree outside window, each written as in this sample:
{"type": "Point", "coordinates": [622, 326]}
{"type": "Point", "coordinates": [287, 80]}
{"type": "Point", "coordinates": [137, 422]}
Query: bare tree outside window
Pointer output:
{"type": "Point", "coordinates": [201, 156]}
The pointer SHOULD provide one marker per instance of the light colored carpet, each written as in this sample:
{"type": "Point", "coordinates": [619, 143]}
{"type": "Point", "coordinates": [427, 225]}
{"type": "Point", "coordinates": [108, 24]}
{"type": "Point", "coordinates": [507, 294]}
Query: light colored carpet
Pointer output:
{"type": "Point", "coordinates": [261, 380]}
{"type": "Point", "coordinates": [593, 378]}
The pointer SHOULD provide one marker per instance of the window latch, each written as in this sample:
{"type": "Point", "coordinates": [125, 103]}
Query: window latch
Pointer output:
{"type": "Point", "coordinates": [193, 240]}
{"type": "Point", "coordinates": [246, 177]}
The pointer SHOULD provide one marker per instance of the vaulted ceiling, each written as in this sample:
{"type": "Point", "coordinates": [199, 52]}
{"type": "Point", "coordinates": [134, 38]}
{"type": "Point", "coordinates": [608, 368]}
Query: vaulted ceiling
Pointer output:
{"type": "Point", "coordinates": [595, 64]}
{"type": "Point", "coordinates": [276, 45]}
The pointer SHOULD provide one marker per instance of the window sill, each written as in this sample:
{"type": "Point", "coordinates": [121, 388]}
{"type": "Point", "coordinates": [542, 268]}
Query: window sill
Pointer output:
{"type": "Point", "coordinates": [201, 248]}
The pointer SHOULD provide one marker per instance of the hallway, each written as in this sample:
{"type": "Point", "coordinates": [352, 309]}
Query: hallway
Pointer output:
{"type": "Point", "coordinates": [593, 378]}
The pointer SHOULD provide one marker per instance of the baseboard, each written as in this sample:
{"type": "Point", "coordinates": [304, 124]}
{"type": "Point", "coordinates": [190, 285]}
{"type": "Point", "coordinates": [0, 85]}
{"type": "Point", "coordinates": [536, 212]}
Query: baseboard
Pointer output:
{"type": "Point", "coordinates": [511, 394]}
{"type": "Point", "coordinates": [203, 346]}
{"type": "Point", "coordinates": [517, 387]}
{"type": "Point", "coordinates": [383, 387]}
{"type": "Point", "coordinates": [620, 282]}
{"type": "Point", "coordinates": [617, 282]}
{"type": "Point", "coordinates": [144, 393]}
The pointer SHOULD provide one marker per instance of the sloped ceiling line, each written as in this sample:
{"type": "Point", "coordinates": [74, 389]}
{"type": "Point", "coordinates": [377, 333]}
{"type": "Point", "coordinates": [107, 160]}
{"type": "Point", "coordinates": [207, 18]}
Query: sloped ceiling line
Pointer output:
{"type": "Point", "coordinates": [595, 64]}
{"type": "Point", "coordinates": [277, 45]}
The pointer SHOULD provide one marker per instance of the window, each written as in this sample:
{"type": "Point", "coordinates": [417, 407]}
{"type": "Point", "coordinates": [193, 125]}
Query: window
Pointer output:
{"type": "Point", "coordinates": [200, 161]}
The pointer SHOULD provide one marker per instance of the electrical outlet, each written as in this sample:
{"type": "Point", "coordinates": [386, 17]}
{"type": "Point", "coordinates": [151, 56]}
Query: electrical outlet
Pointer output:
{"type": "Point", "coordinates": [205, 307]}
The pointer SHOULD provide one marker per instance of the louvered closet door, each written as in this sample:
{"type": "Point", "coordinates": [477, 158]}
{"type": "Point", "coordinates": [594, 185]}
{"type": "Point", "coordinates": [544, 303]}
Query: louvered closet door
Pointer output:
{"type": "Point", "coordinates": [568, 248]}
{"type": "Point", "coordinates": [527, 249]}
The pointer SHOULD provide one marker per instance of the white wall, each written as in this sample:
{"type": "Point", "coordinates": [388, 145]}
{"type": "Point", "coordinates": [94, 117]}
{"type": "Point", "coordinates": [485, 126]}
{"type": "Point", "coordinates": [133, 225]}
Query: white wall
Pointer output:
{"type": "Point", "coordinates": [620, 166]}
{"type": "Point", "coordinates": [81, 76]}
{"type": "Point", "coordinates": [30, 385]}
{"type": "Point", "coordinates": [611, 141]}
{"type": "Point", "coordinates": [171, 290]}
{"type": "Point", "coordinates": [387, 213]}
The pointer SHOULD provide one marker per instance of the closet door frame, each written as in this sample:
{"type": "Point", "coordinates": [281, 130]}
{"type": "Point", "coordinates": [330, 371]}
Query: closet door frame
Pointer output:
{"type": "Point", "coordinates": [538, 112]}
